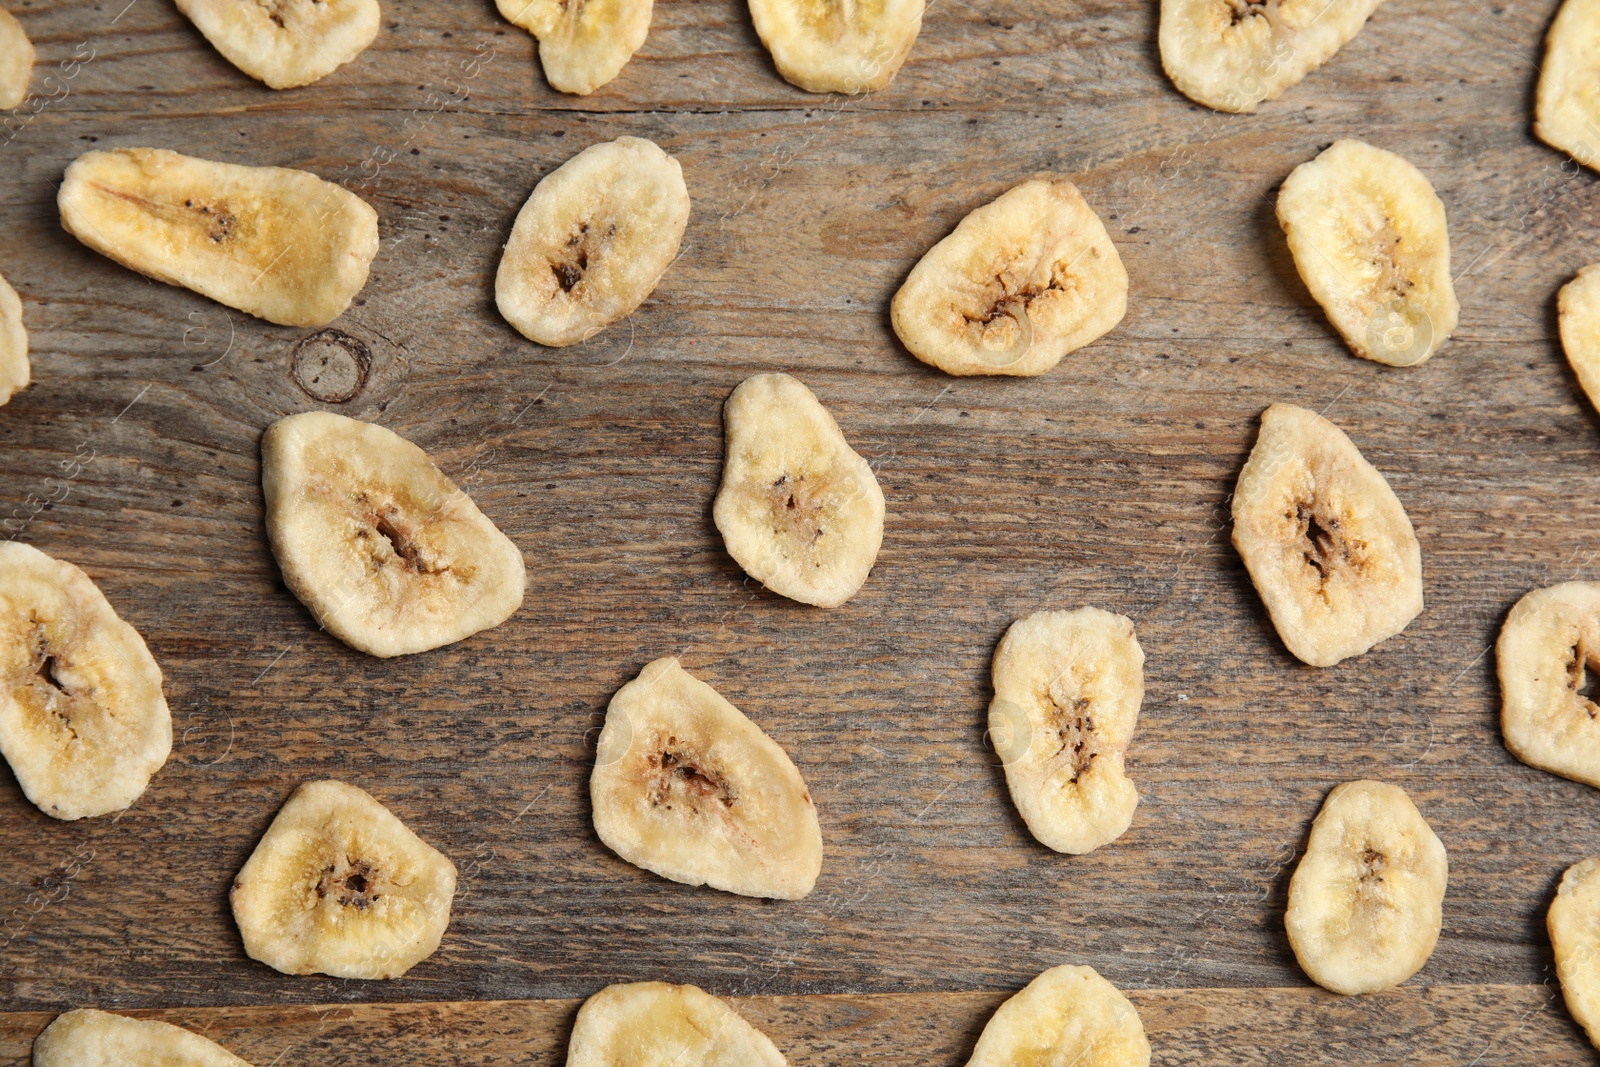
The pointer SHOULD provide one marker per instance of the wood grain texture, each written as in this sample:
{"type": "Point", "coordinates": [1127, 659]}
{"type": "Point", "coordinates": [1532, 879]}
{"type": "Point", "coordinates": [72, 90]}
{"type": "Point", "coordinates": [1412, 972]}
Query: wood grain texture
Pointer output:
{"type": "Point", "coordinates": [1104, 482]}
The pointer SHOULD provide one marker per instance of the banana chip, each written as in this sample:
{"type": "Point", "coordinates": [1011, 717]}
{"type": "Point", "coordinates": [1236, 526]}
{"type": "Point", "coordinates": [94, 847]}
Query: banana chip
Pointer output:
{"type": "Point", "coordinates": [280, 244]}
{"type": "Point", "coordinates": [1019, 283]}
{"type": "Point", "coordinates": [652, 1024]}
{"type": "Point", "coordinates": [89, 1038]}
{"type": "Point", "coordinates": [15, 370]}
{"type": "Point", "coordinates": [286, 43]}
{"type": "Point", "coordinates": [1068, 1016]}
{"type": "Point", "coordinates": [1369, 239]}
{"type": "Point", "coordinates": [1549, 645]}
{"type": "Point", "coordinates": [1366, 902]}
{"type": "Point", "coordinates": [799, 510]}
{"type": "Point", "coordinates": [16, 62]}
{"type": "Point", "coordinates": [82, 719]}
{"type": "Point", "coordinates": [824, 46]}
{"type": "Point", "coordinates": [1067, 690]}
{"type": "Point", "coordinates": [340, 886]}
{"type": "Point", "coordinates": [1578, 310]}
{"type": "Point", "coordinates": [583, 44]}
{"type": "Point", "coordinates": [592, 241]}
{"type": "Point", "coordinates": [1567, 106]}
{"type": "Point", "coordinates": [1574, 925]}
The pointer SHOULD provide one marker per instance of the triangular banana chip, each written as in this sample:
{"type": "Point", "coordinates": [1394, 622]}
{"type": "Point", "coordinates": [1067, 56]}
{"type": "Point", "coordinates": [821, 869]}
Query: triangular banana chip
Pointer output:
{"type": "Point", "coordinates": [1327, 544]}
{"type": "Point", "coordinates": [1567, 107]}
{"type": "Point", "coordinates": [824, 46]}
{"type": "Point", "coordinates": [1369, 239]}
{"type": "Point", "coordinates": [286, 43]}
{"type": "Point", "coordinates": [799, 510]}
{"type": "Point", "coordinates": [1578, 311]}
{"type": "Point", "coordinates": [583, 44]}
{"type": "Point", "coordinates": [592, 241]}
{"type": "Point", "coordinates": [653, 1024]}
{"type": "Point", "coordinates": [1019, 283]}
{"type": "Point", "coordinates": [1234, 54]}
{"type": "Point", "coordinates": [280, 244]}
{"type": "Point", "coordinates": [16, 62]}
{"type": "Point", "coordinates": [15, 370]}
{"type": "Point", "coordinates": [1067, 690]}
{"type": "Point", "coordinates": [684, 785]}
{"type": "Point", "coordinates": [1366, 901]}
{"type": "Point", "coordinates": [1573, 922]}
{"type": "Point", "coordinates": [89, 1038]}
{"type": "Point", "coordinates": [387, 553]}
{"type": "Point", "coordinates": [82, 719]}
{"type": "Point", "coordinates": [1068, 1016]}
{"type": "Point", "coordinates": [1549, 645]}
{"type": "Point", "coordinates": [340, 886]}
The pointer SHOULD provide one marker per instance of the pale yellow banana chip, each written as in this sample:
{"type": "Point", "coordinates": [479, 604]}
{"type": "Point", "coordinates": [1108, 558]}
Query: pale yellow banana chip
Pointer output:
{"type": "Point", "coordinates": [1369, 239]}
{"type": "Point", "coordinates": [16, 62]}
{"type": "Point", "coordinates": [89, 1038]}
{"type": "Point", "coordinates": [1232, 55]}
{"type": "Point", "coordinates": [280, 244]}
{"type": "Point", "coordinates": [684, 785]}
{"type": "Point", "coordinates": [583, 44]}
{"type": "Point", "coordinates": [653, 1024]}
{"type": "Point", "coordinates": [82, 719]}
{"type": "Point", "coordinates": [1327, 544]}
{"type": "Point", "coordinates": [838, 46]}
{"type": "Point", "coordinates": [1366, 902]}
{"type": "Point", "coordinates": [1547, 650]}
{"type": "Point", "coordinates": [1019, 283]}
{"type": "Point", "coordinates": [1578, 310]}
{"type": "Point", "coordinates": [1068, 1016]}
{"type": "Point", "coordinates": [286, 43]}
{"type": "Point", "coordinates": [338, 885]}
{"type": "Point", "coordinates": [799, 510]}
{"type": "Point", "coordinates": [1067, 690]}
{"type": "Point", "coordinates": [15, 370]}
{"type": "Point", "coordinates": [1574, 925]}
{"type": "Point", "coordinates": [592, 241]}
{"type": "Point", "coordinates": [387, 553]}
{"type": "Point", "coordinates": [1567, 106]}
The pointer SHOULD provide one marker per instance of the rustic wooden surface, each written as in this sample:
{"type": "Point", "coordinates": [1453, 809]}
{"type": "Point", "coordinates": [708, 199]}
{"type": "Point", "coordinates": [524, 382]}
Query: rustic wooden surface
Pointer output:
{"type": "Point", "coordinates": [1104, 482]}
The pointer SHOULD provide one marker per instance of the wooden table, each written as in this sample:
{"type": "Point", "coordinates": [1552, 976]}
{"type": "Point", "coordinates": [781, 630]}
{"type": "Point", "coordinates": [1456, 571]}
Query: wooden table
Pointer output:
{"type": "Point", "coordinates": [1104, 482]}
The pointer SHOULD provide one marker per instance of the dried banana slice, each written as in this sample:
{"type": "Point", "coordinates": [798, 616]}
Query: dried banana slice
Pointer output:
{"type": "Point", "coordinates": [653, 1024]}
{"type": "Point", "coordinates": [1018, 284]}
{"type": "Point", "coordinates": [15, 370]}
{"type": "Point", "coordinates": [286, 43]}
{"type": "Point", "coordinates": [88, 1038]}
{"type": "Point", "coordinates": [280, 244]}
{"type": "Point", "coordinates": [684, 785]}
{"type": "Point", "coordinates": [1547, 649]}
{"type": "Point", "coordinates": [1369, 239]}
{"type": "Point", "coordinates": [1327, 544]}
{"type": "Point", "coordinates": [82, 719]}
{"type": "Point", "coordinates": [592, 241]}
{"type": "Point", "coordinates": [16, 62]}
{"type": "Point", "coordinates": [1068, 1016]}
{"type": "Point", "coordinates": [799, 510]}
{"type": "Point", "coordinates": [387, 553]}
{"type": "Point", "coordinates": [340, 886]}
{"type": "Point", "coordinates": [1234, 54]}
{"type": "Point", "coordinates": [583, 44]}
{"type": "Point", "coordinates": [1365, 903]}
{"type": "Point", "coordinates": [1578, 309]}
{"type": "Point", "coordinates": [1067, 690]}
{"type": "Point", "coordinates": [823, 46]}
{"type": "Point", "coordinates": [1574, 925]}
{"type": "Point", "coordinates": [1567, 106]}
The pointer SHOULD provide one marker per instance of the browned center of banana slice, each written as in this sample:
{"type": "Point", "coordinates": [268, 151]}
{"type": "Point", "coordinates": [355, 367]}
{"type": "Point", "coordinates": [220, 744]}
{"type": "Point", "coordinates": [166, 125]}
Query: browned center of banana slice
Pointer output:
{"type": "Point", "coordinates": [838, 46]}
{"type": "Point", "coordinates": [1567, 109]}
{"type": "Point", "coordinates": [1549, 659]}
{"type": "Point", "coordinates": [653, 1024]}
{"type": "Point", "coordinates": [1068, 1016]}
{"type": "Point", "coordinates": [85, 1038]}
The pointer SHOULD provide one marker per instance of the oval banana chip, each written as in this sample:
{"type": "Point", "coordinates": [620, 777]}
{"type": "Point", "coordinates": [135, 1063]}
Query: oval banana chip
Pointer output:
{"type": "Point", "coordinates": [653, 1024]}
{"type": "Point", "coordinates": [583, 44]}
{"type": "Point", "coordinates": [286, 43]}
{"type": "Point", "coordinates": [826, 47]}
{"type": "Point", "coordinates": [383, 549]}
{"type": "Point", "coordinates": [338, 885]}
{"type": "Point", "coordinates": [1547, 650]}
{"type": "Point", "coordinates": [1067, 690]}
{"type": "Point", "coordinates": [1327, 543]}
{"type": "Point", "coordinates": [1366, 902]}
{"type": "Point", "coordinates": [1018, 284]}
{"type": "Point", "coordinates": [82, 719]}
{"type": "Point", "coordinates": [1232, 55]}
{"type": "Point", "coordinates": [16, 62]}
{"type": "Point", "coordinates": [1573, 922]}
{"type": "Point", "coordinates": [1368, 237]}
{"type": "Point", "coordinates": [88, 1038]}
{"type": "Point", "coordinates": [592, 241]}
{"type": "Point", "coordinates": [1567, 105]}
{"type": "Point", "coordinates": [280, 244]}
{"type": "Point", "coordinates": [684, 785]}
{"type": "Point", "coordinates": [1069, 1016]}
{"type": "Point", "coordinates": [798, 509]}
{"type": "Point", "coordinates": [15, 370]}
{"type": "Point", "coordinates": [1578, 311]}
